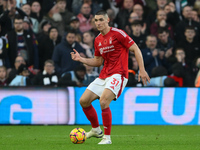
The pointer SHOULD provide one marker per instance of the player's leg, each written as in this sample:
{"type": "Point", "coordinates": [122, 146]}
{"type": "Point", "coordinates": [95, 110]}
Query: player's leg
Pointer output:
{"type": "Point", "coordinates": [105, 100]}
{"type": "Point", "coordinates": [113, 88]}
{"type": "Point", "coordinates": [86, 99]}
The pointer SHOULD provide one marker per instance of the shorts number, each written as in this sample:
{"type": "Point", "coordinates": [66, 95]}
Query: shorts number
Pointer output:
{"type": "Point", "coordinates": [115, 82]}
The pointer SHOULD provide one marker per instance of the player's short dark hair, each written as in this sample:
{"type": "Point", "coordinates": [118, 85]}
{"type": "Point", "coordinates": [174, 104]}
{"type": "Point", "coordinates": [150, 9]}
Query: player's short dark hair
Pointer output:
{"type": "Point", "coordinates": [101, 12]}
{"type": "Point", "coordinates": [162, 29]}
{"type": "Point", "coordinates": [136, 22]}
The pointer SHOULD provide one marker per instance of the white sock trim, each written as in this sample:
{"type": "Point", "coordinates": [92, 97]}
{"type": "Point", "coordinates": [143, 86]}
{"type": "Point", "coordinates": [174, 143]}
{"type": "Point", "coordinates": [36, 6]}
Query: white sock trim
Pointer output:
{"type": "Point", "coordinates": [97, 129]}
{"type": "Point", "coordinates": [107, 137]}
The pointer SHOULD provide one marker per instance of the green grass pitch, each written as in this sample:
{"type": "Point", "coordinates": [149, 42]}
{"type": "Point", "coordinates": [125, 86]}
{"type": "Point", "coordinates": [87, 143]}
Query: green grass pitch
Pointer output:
{"type": "Point", "coordinates": [127, 137]}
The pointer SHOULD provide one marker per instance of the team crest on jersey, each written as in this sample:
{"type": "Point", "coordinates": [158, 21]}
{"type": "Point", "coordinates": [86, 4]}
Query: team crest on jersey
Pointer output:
{"type": "Point", "coordinates": [101, 51]}
{"type": "Point", "coordinates": [110, 40]}
{"type": "Point", "coordinates": [99, 43]}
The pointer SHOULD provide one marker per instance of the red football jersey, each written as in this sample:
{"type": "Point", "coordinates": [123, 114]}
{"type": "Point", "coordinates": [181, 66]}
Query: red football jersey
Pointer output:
{"type": "Point", "coordinates": [114, 48]}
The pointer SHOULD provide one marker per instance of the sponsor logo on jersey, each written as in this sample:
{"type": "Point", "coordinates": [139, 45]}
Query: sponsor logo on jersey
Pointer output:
{"type": "Point", "coordinates": [99, 43]}
{"type": "Point", "coordinates": [106, 49]}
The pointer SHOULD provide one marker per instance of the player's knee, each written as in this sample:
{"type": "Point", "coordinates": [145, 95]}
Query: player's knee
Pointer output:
{"type": "Point", "coordinates": [104, 104]}
{"type": "Point", "coordinates": [84, 103]}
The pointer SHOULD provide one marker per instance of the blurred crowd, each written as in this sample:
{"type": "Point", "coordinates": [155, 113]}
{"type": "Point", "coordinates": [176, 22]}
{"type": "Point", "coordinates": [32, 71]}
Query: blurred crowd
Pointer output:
{"type": "Point", "coordinates": [37, 36]}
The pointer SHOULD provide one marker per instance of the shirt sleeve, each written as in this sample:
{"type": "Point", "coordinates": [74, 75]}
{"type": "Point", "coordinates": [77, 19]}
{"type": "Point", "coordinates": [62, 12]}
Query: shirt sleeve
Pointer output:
{"type": "Point", "coordinates": [125, 39]}
{"type": "Point", "coordinates": [96, 52]}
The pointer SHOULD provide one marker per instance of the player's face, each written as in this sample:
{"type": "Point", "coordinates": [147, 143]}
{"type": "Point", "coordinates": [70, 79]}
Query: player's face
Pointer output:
{"type": "Point", "coordinates": [101, 22]}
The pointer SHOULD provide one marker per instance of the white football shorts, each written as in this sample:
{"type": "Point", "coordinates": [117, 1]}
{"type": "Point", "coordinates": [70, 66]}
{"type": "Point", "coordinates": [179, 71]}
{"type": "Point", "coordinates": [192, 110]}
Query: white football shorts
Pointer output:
{"type": "Point", "coordinates": [116, 83]}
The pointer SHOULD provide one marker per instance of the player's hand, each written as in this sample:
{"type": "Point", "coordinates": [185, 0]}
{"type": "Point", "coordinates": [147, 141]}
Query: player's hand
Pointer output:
{"type": "Point", "coordinates": [75, 55]}
{"type": "Point", "coordinates": [144, 76]}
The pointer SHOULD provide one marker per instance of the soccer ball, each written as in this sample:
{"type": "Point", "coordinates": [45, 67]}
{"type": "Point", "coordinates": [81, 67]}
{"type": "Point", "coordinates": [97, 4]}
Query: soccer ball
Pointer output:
{"type": "Point", "coordinates": [78, 135]}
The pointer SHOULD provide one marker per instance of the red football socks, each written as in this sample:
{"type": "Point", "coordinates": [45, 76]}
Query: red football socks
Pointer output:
{"type": "Point", "coordinates": [91, 114]}
{"type": "Point", "coordinates": [107, 120]}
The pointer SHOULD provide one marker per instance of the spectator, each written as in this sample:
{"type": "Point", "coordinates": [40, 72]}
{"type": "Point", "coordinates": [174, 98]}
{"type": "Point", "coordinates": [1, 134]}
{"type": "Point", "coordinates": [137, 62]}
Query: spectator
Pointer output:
{"type": "Point", "coordinates": [195, 68]}
{"type": "Point", "coordinates": [3, 49]}
{"type": "Point", "coordinates": [138, 9]}
{"type": "Point", "coordinates": [76, 6]}
{"type": "Point", "coordinates": [53, 16]}
{"type": "Point", "coordinates": [61, 55]}
{"type": "Point", "coordinates": [66, 15]}
{"type": "Point", "coordinates": [132, 82]}
{"type": "Point", "coordinates": [74, 24]}
{"type": "Point", "coordinates": [123, 15]}
{"type": "Point", "coordinates": [34, 23]}
{"type": "Point", "coordinates": [187, 21]}
{"type": "Point", "coordinates": [22, 43]}
{"type": "Point", "coordinates": [26, 24]}
{"type": "Point", "coordinates": [90, 76]}
{"type": "Point", "coordinates": [170, 82]}
{"type": "Point", "coordinates": [94, 6]}
{"type": "Point", "coordinates": [181, 69]}
{"type": "Point", "coordinates": [83, 45]}
{"type": "Point", "coordinates": [3, 76]}
{"type": "Point", "coordinates": [7, 17]}
{"type": "Point", "coordinates": [136, 34]}
{"type": "Point", "coordinates": [74, 77]}
{"type": "Point", "coordinates": [36, 11]}
{"type": "Point", "coordinates": [152, 15]}
{"type": "Point", "coordinates": [111, 15]}
{"type": "Point", "coordinates": [172, 15]}
{"type": "Point", "coordinates": [48, 77]}
{"type": "Point", "coordinates": [135, 68]}
{"type": "Point", "coordinates": [161, 22]}
{"type": "Point", "coordinates": [158, 76]}
{"type": "Point", "coordinates": [165, 43]}
{"type": "Point", "coordinates": [13, 72]}
{"type": "Point", "coordinates": [21, 78]}
{"type": "Point", "coordinates": [132, 18]}
{"type": "Point", "coordinates": [46, 46]}
{"type": "Point", "coordinates": [195, 16]}
{"type": "Point", "coordinates": [85, 18]}
{"type": "Point", "coordinates": [151, 54]}
{"type": "Point", "coordinates": [191, 44]}
{"type": "Point", "coordinates": [44, 31]}
{"type": "Point", "coordinates": [105, 5]}
{"type": "Point", "coordinates": [88, 38]}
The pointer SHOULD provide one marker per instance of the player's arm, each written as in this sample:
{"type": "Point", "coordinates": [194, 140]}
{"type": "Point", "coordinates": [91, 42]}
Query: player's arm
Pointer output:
{"type": "Point", "coordinates": [138, 55]}
{"type": "Point", "coordinates": [94, 62]}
